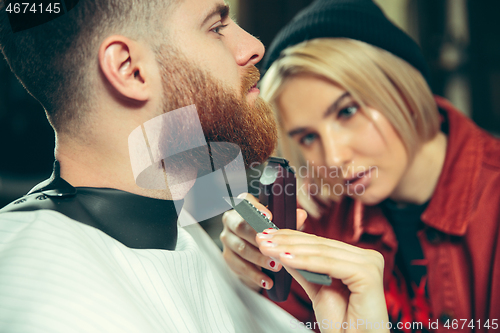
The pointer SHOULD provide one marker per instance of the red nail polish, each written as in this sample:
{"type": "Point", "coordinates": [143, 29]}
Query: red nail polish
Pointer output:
{"type": "Point", "coordinates": [263, 283]}
{"type": "Point", "coordinates": [268, 244]}
{"type": "Point", "coordinates": [287, 255]}
{"type": "Point", "coordinates": [265, 232]}
{"type": "Point", "coordinates": [272, 263]}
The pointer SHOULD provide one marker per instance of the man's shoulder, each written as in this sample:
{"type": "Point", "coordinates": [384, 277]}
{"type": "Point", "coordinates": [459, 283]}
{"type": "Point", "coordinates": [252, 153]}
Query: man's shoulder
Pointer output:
{"type": "Point", "coordinates": [41, 228]}
{"type": "Point", "coordinates": [36, 213]}
{"type": "Point", "coordinates": [29, 202]}
{"type": "Point", "coordinates": [55, 275]}
{"type": "Point", "coordinates": [25, 219]}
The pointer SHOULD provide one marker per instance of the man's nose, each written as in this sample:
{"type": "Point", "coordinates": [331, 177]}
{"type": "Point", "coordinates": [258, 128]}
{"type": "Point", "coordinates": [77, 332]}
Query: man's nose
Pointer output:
{"type": "Point", "coordinates": [247, 49]}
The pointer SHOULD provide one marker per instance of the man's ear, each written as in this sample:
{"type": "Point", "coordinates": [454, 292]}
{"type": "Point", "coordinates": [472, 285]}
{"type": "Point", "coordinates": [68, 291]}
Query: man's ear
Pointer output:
{"type": "Point", "coordinates": [122, 62]}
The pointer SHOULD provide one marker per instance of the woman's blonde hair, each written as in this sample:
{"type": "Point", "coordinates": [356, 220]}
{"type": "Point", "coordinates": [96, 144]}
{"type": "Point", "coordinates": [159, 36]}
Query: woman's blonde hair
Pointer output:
{"type": "Point", "coordinates": [373, 77]}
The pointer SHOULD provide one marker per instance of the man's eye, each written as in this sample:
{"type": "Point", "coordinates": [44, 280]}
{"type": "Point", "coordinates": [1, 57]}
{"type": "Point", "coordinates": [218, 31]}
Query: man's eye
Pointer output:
{"type": "Point", "coordinates": [218, 29]}
{"type": "Point", "coordinates": [307, 139]}
{"type": "Point", "coordinates": [348, 111]}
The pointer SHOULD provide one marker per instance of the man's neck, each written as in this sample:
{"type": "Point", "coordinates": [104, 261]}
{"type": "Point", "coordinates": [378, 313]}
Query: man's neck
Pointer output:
{"type": "Point", "coordinates": [82, 167]}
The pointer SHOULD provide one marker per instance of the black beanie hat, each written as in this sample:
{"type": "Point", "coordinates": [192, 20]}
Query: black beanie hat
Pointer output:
{"type": "Point", "coordinates": [356, 19]}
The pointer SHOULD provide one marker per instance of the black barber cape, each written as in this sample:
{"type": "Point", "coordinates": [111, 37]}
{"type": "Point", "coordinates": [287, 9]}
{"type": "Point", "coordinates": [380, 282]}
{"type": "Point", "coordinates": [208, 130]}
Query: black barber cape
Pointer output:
{"type": "Point", "coordinates": [135, 221]}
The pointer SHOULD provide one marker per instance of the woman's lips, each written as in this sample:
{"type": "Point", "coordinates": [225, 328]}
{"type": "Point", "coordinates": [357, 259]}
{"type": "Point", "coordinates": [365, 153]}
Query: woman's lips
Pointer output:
{"type": "Point", "coordinates": [355, 179]}
{"type": "Point", "coordinates": [361, 179]}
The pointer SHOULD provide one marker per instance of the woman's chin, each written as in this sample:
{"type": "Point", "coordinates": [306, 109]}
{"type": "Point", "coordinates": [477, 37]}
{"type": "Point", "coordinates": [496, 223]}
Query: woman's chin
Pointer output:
{"type": "Point", "coordinates": [368, 198]}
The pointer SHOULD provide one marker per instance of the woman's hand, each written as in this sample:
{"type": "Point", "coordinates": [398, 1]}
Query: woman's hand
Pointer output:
{"type": "Point", "coordinates": [356, 297]}
{"type": "Point", "coordinates": [240, 248]}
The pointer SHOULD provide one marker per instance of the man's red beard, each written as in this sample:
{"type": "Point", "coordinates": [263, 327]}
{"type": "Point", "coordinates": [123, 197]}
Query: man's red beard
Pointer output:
{"type": "Point", "coordinates": [224, 116]}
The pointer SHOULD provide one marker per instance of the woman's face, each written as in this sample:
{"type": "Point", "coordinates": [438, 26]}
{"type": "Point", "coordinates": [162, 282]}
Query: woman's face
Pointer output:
{"type": "Point", "coordinates": [357, 156]}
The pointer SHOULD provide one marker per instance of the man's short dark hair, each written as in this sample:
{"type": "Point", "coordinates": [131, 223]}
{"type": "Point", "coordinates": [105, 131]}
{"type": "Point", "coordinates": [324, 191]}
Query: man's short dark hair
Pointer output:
{"type": "Point", "coordinates": [55, 61]}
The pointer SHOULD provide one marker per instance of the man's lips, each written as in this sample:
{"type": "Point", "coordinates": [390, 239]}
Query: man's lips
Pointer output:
{"type": "Point", "coordinates": [253, 88]}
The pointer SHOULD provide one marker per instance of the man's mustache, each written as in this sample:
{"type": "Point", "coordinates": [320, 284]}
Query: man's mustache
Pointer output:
{"type": "Point", "coordinates": [250, 79]}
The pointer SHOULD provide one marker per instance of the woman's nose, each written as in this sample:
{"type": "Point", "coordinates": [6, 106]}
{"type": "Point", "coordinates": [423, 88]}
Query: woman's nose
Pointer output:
{"type": "Point", "coordinates": [337, 151]}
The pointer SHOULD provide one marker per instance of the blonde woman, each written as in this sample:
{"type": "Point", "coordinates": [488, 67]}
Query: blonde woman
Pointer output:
{"type": "Point", "coordinates": [388, 166]}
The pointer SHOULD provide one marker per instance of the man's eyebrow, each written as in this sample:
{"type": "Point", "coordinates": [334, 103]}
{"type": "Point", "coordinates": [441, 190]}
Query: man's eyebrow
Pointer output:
{"type": "Point", "coordinates": [331, 109]}
{"type": "Point", "coordinates": [220, 9]}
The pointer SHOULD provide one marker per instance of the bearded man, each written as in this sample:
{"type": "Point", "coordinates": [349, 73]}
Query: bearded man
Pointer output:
{"type": "Point", "coordinates": [89, 250]}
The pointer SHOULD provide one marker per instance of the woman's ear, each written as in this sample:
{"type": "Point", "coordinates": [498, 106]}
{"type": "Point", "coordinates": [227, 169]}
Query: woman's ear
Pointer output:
{"type": "Point", "coordinates": [122, 63]}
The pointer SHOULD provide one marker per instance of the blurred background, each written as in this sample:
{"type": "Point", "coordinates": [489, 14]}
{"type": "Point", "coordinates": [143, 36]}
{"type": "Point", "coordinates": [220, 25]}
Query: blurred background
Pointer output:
{"type": "Point", "coordinates": [459, 38]}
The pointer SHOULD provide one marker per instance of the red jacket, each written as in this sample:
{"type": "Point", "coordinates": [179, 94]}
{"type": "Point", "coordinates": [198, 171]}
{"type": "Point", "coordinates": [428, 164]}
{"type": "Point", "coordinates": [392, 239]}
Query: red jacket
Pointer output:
{"type": "Point", "coordinates": [460, 239]}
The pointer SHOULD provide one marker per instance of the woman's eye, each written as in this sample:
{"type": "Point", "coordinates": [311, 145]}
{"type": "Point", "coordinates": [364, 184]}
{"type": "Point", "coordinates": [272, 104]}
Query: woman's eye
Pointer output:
{"type": "Point", "coordinates": [307, 139]}
{"type": "Point", "coordinates": [218, 29]}
{"type": "Point", "coordinates": [348, 111]}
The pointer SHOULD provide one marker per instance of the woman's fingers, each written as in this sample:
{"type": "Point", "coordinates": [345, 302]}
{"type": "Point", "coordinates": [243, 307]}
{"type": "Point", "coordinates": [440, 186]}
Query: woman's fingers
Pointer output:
{"type": "Point", "coordinates": [244, 251]}
{"type": "Point", "coordinates": [335, 299]}
{"type": "Point", "coordinates": [240, 249]}
{"type": "Point", "coordinates": [301, 218]}
{"type": "Point", "coordinates": [237, 240]}
{"type": "Point", "coordinates": [357, 288]}
{"type": "Point", "coordinates": [235, 224]}
{"type": "Point", "coordinates": [347, 271]}
{"type": "Point", "coordinates": [248, 272]}
{"type": "Point", "coordinates": [286, 236]}
{"type": "Point", "coordinates": [322, 250]}
{"type": "Point", "coordinates": [321, 255]}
